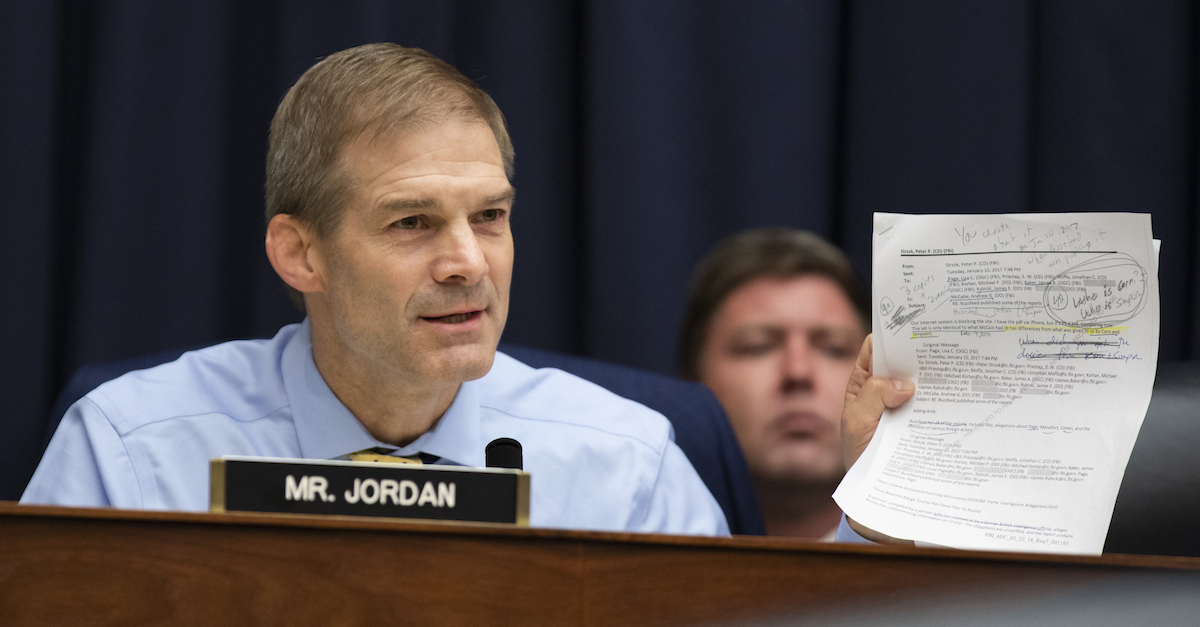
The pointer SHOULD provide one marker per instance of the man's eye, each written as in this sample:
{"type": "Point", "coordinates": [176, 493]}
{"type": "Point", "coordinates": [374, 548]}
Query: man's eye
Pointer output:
{"type": "Point", "coordinates": [491, 215]}
{"type": "Point", "coordinates": [838, 350]}
{"type": "Point", "coordinates": [753, 349]}
{"type": "Point", "coordinates": [408, 224]}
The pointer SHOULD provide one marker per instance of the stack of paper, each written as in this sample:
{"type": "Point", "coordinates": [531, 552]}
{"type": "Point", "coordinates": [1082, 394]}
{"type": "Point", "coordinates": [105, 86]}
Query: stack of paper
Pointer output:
{"type": "Point", "coordinates": [1033, 342]}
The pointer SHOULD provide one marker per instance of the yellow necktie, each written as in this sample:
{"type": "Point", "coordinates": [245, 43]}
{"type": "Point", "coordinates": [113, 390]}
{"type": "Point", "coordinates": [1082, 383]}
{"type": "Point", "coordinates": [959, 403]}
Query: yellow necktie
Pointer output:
{"type": "Point", "coordinates": [380, 455]}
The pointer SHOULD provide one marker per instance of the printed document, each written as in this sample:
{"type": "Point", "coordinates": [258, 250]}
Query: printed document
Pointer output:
{"type": "Point", "coordinates": [1032, 340]}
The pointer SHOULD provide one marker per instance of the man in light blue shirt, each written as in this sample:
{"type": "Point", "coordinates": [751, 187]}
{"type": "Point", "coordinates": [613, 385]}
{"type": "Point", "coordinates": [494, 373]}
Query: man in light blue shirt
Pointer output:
{"type": "Point", "coordinates": [388, 200]}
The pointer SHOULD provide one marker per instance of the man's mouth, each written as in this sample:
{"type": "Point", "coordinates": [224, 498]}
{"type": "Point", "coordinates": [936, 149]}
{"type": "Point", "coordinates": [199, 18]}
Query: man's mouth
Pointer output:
{"type": "Point", "coordinates": [802, 424]}
{"type": "Point", "coordinates": [456, 318]}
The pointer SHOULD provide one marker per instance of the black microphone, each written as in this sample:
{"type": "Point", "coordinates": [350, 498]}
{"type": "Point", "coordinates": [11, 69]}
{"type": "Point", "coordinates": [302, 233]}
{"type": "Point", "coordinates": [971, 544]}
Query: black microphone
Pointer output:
{"type": "Point", "coordinates": [504, 453]}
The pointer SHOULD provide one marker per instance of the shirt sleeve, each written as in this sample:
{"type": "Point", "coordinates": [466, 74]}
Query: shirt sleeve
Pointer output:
{"type": "Point", "coordinates": [679, 502]}
{"type": "Point", "coordinates": [847, 534]}
{"type": "Point", "coordinates": [85, 465]}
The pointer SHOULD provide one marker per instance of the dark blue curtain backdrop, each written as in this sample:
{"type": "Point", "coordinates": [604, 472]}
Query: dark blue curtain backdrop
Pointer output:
{"type": "Point", "coordinates": [132, 137]}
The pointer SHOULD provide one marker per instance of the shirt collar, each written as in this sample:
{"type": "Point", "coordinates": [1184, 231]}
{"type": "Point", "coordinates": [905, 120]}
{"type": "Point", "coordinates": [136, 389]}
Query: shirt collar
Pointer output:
{"type": "Point", "coordinates": [326, 429]}
{"type": "Point", "coordinates": [457, 435]}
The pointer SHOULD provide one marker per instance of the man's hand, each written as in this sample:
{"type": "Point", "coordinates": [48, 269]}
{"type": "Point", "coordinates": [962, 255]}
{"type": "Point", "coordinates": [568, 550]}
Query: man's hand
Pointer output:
{"type": "Point", "coordinates": [866, 398]}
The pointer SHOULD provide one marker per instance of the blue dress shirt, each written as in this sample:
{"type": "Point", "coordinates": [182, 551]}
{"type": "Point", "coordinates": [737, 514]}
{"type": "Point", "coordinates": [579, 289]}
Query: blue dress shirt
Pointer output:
{"type": "Point", "coordinates": [144, 440]}
{"type": "Point", "coordinates": [847, 534]}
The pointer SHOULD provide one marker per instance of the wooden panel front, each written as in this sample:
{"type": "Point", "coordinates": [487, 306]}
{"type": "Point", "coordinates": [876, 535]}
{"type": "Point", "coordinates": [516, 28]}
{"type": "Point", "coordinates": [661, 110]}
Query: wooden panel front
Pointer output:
{"type": "Point", "coordinates": [675, 585]}
{"type": "Point", "coordinates": [119, 572]}
{"type": "Point", "coordinates": [60, 566]}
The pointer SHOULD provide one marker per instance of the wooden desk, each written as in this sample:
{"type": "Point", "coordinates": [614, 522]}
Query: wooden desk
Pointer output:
{"type": "Point", "coordinates": [116, 567]}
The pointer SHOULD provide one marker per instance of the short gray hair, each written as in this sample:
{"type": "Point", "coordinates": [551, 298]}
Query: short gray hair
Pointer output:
{"type": "Point", "coordinates": [380, 87]}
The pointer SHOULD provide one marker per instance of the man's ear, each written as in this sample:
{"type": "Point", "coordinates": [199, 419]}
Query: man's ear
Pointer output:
{"type": "Point", "coordinates": [290, 248]}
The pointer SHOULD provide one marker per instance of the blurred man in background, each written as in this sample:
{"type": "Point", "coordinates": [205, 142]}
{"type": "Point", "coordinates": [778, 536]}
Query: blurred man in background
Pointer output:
{"type": "Point", "coordinates": [774, 323]}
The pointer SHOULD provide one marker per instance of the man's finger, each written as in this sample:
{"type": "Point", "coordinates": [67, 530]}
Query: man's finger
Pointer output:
{"type": "Point", "coordinates": [896, 392]}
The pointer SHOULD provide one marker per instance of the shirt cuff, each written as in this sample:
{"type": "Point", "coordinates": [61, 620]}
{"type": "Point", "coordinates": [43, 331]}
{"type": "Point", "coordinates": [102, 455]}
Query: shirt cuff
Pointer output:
{"type": "Point", "coordinates": [846, 534]}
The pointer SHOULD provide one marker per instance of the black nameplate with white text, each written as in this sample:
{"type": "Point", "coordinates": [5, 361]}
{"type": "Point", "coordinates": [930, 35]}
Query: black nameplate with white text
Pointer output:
{"type": "Point", "coordinates": [304, 486]}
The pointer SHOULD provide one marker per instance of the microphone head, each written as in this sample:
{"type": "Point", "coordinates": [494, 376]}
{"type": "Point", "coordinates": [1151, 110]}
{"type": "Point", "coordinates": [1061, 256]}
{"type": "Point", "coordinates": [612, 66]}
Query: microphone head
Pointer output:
{"type": "Point", "coordinates": [504, 453]}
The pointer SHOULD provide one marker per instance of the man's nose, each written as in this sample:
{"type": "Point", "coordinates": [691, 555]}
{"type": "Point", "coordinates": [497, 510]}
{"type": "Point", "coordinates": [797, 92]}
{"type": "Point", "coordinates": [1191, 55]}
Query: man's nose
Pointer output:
{"type": "Point", "coordinates": [798, 367]}
{"type": "Point", "coordinates": [460, 259]}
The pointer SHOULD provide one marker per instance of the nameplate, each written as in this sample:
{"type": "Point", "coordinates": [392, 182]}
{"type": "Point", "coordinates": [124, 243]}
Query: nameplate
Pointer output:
{"type": "Point", "coordinates": [343, 488]}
